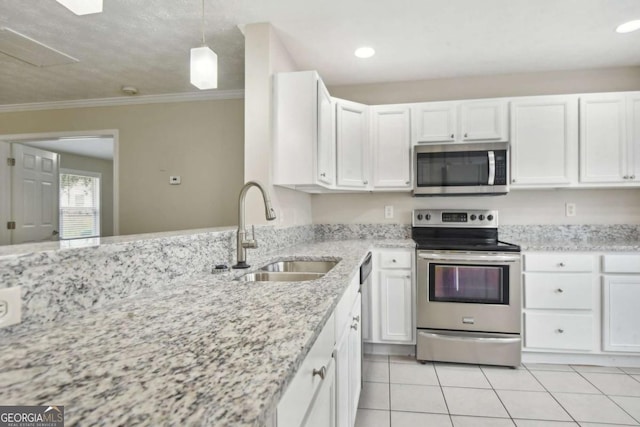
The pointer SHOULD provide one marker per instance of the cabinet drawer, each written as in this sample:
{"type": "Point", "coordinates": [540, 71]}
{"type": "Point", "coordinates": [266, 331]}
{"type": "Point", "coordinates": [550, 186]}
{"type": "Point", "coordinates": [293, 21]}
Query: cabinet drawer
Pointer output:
{"type": "Point", "coordinates": [557, 290]}
{"type": "Point", "coordinates": [558, 331]}
{"type": "Point", "coordinates": [558, 262]}
{"type": "Point", "coordinates": [621, 263]}
{"type": "Point", "coordinates": [395, 259]}
{"type": "Point", "coordinates": [298, 396]}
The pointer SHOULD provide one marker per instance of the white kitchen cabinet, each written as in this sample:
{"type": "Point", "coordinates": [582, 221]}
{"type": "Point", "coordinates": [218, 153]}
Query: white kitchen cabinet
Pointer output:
{"type": "Point", "coordinates": [391, 147]}
{"type": "Point", "coordinates": [621, 299]}
{"type": "Point", "coordinates": [322, 411]}
{"type": "Point", "coordinates": [465, 121]}
{"type": "Point", "coordinates": [610, 138]}
{"type": "Point", "coordinates": [392, 298]}
{"type": "Point", "coordinates": [352, 145]}
{"type": "Point", "coordinates": [558, 331]}
{"type": "Point", "coordinates": [544, 141]}
{"type": "Point", "coordinates": [303, 132]}
{"type": "Point", "coordinates": [355, 360]}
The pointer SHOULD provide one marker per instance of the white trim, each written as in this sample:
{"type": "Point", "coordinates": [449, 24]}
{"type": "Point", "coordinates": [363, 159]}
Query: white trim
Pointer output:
{"type": "Point", "coordinates": [5, 193]}
{"type": "Point", "coordinates": [79, 172]}
{"type": "Point", "coordinates": [111, 133]}
{"type": "Point", "coordinates": [128, 100]}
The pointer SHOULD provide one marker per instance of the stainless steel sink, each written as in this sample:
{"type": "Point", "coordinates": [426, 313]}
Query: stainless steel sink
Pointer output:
{"type": "Point", "coordinates": [301, 266]}
{"type": "Point", "coordinates": [279, 276]}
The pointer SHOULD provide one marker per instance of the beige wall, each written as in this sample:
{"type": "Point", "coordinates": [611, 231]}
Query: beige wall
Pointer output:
{"type": "Point", "coordinates": [265, 55]}
{"type": "Point", "coordinates": [202, 141]}
{"type": "Point", "coordinates": [518, 207]}
{"type": "Point", "coordinates": [525, 84]}
{"type": "Point", "coordinates": [105, 168]}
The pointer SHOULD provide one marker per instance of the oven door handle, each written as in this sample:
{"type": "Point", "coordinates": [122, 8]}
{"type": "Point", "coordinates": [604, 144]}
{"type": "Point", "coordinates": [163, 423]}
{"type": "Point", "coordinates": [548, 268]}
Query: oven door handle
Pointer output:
{"type": "Point", "coordinates": [480, 258]}
{"type": "Point", "coordinates": [468, 338]}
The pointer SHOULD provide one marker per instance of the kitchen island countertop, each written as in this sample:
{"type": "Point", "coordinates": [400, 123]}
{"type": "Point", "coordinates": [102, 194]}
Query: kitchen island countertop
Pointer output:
{"type": "Point", "coordinates": [212, 351]}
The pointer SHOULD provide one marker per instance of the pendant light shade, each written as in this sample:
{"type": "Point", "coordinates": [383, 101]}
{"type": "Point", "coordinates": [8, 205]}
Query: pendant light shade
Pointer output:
{"type": "Point", "coordinates": [82, 7]}
{"type": "Point", "coordinates": [204, 68]}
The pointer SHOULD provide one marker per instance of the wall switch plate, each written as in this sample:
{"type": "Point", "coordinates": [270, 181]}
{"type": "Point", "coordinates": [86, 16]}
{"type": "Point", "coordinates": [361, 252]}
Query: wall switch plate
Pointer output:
{"type": "Point", "coordinates": [10, 306]}
{"type": "Point", "coordinates": [175, 180]}
{"type": "Point", "coordinates": [388, 212]}
{"type": "Point", "coordinates": [570, 209]}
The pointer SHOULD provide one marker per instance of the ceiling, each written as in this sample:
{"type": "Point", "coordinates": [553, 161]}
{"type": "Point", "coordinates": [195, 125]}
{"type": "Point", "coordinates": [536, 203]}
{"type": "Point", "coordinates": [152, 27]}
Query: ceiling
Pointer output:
{"type": "Point", "coordinates": [146, 44]}
{"type": "Point", "coordinates": [98, 147]}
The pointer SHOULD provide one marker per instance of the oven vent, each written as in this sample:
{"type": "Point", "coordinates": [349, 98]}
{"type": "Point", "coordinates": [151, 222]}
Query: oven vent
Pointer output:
{"type": "Point", "coordinates": [30, 51]}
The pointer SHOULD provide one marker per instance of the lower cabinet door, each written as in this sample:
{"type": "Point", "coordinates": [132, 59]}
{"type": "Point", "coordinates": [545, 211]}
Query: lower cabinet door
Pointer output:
{"type": "Point", "coordinates": [355, 361]}
{"type": "Point", "coordinates": [322, 411]}
{"type": "Point", "coordinates": [395, 298]}
{"type": "Point", "coordinates": [556, 331]}
{"type": "Point", "coordinates": [342, 379]}
{"type": "Point", "coordinates": [621, 313]}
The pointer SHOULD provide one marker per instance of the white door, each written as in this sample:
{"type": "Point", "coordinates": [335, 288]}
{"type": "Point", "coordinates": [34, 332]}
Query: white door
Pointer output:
{"type": "Point", "coordinates": [620, 313]}
{"type": "Point", "coordinates": [395, 306]}
{"type": "Point", "coordinates": [5, 193]}
{"type": "Point", "coordinates": [391, 146]}
{"type": "Point", "coordinates": [603, 151]}
{"type": "Point", "coordinates": [352, 144]}
{"type": "Point", "coordinates": [484, 121]}
{"type": "Point", "coordinates": [434, 122]}
{"type": "Point", "coordinates": [544, 141]}
{"type": "Point", "coordinates": [326, 137]}
{"type": "Point", "coordinates": [34, 194]}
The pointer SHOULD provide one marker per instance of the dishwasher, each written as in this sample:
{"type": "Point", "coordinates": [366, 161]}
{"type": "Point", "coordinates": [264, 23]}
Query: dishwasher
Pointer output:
{"type": "Point", "coordinates": [365, 292]}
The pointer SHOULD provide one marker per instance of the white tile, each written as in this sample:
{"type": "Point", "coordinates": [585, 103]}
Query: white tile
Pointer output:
{"type": "Point", "coordinates": [512, 379]}
{"type": "Point", "coordinates": [374, 396]}
{"type": "Point", "coordinates": [406, 359]}
{"type": "Point", "coordinates": [603, 425]}
{"type": "Point", "coordinates": [404, 373]}
{"type": "Point", "coordinates": [548, 367]}
{"type": "Point", "coordinates": [614, 384]}
{"type": "Point", "coordinates": [635, 371]}
{"type": "Point", "coordinates": [461, 376]}
{"type": "Point", "coordinates": [593, 408]}
{"type": "Point", "coordinates": [568, 382]}
{"type": "Point", "coordinates": [629, 404]}
{"type": "Point", "coordinates": [417, 398]}
{"type": "Point", "coordinates": [372, 418]}
{"type": "Point", "coordinates": [464, 421]}
{"type": "Point", "coordinates": [473, 401]}
{"type": "Point", "coordinates": [600, 369]}
{"type": "Point", "coordinates": [532, 405]}
{"type": "Point", "coordinates": [544, 423]}
{"type": "Point", "coordinates": [414, 419]}
{"type": "Point", "coordinates": [636, 377]}
{"type": "Point", "coordinates": [377, 372]}
{"type": "Point", "coordinates": [376, 358]}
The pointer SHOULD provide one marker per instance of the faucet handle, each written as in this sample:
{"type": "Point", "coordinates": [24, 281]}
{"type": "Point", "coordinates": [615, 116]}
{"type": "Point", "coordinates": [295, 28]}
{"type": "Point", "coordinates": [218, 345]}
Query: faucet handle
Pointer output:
{"type": "Point", "coordinates": [251, 243]}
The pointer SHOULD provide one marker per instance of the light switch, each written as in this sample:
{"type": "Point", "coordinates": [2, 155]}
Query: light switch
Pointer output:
{"type": "Point", "coordinates": [174, 180]}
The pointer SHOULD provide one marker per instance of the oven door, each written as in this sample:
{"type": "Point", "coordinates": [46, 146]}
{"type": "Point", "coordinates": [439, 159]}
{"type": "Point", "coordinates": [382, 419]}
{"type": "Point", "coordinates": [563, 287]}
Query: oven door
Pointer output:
{"type": "Point", "coordinates": [469, 291]}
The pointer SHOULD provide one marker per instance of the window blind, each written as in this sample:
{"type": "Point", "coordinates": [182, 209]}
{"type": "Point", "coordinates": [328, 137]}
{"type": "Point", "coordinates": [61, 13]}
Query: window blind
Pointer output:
{"type": "Point", "coordinates": [79, 205]}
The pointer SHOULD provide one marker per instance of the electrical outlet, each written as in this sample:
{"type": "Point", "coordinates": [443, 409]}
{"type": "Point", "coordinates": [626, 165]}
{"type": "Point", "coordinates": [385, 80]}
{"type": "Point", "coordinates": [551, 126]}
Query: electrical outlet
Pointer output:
{"type": "Point", "coordinates": [388, 212]}
{"type": "Point", "coordinates": [570, 209]}
{"type": "Point", "coordinates": [10, 306]}
{"type": "Point", "coordinates": [175, 180]}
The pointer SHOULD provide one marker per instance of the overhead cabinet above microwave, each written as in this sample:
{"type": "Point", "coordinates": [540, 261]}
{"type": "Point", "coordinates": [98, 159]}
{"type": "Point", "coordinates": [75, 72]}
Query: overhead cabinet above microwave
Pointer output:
{"type": "Point", "coordinates": [465, 121]}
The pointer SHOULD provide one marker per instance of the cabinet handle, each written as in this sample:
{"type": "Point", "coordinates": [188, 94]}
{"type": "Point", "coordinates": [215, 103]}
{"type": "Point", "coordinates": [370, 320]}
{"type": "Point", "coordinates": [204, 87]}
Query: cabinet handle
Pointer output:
{"type": "Point", "coordinates": [354, 326]}
{"type": "Point", "coordinates": [408, 276]}
{"type": "Point", "coordinates": [560, 331]}
{"type": "Point", "coordinates": [322, 372]}
{"type": "Point", "coordinates": [365, 182]}
{"type": "Point", "coordinates": [323, 174]}
{"type": "Point", "coordinates": [559, 290]}
{"type": "Point", "coordinates": [513, 180]}
{"type": "Point", "coordinates": [465, 135]}
{"type": "Point", "coordinates": [452, 136]}
{"type": "Point", "coordinates": [407, 182]}
{"type": "Point", "coordinates": [393, 260]}
{"type": "Point", "coordinates": [626, 177]}
{"type": "Point", "coordinates": [561, 264]}
{"type": "Point", "coordinates": [356, 318]}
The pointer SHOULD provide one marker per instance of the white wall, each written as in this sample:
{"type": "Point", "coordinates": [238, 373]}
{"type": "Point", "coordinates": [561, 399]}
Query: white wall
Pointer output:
{"type": "Point", "coordinates": [265, 55]}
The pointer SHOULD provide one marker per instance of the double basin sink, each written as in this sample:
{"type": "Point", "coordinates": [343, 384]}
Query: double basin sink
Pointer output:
{"type": "Point", "coordinates": [290, 271]}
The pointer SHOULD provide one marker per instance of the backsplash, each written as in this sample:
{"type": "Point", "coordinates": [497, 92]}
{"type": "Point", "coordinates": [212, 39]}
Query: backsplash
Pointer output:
{"type": "Point", "coordinates": [573, 233]}
{"type": "Point", "coordinates": [362, 231]}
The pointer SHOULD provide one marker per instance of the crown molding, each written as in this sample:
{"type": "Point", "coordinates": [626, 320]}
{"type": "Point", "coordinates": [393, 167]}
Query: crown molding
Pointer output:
{"type": "Point", "coordinates": [125, 100]}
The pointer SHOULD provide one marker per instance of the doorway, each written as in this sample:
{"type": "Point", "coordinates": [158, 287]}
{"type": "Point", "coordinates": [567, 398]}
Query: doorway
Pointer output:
{"type": "Point", "coordinates": [58, 186]}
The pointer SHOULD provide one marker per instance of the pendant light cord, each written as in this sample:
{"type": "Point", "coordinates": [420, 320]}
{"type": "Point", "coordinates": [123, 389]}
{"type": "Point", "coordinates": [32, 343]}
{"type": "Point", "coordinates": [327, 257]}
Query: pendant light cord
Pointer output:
{"type": "Point", "coordinates": [203, 42]}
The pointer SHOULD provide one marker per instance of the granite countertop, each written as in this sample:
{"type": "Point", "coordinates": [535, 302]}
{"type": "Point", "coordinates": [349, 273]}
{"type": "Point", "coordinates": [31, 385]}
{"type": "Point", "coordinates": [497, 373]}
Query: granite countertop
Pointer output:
{"type": "Point", "coordinates": [209, 352]}
{"type": "Point", "coordinates": [580, 246]}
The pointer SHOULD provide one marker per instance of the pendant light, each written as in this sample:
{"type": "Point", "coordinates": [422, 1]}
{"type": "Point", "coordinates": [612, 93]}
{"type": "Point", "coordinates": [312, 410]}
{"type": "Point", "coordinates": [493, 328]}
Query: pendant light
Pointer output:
{"type": "Point", "coordinates": [82, 7]}
{"type": "Point", "coordinates": [204, 64]}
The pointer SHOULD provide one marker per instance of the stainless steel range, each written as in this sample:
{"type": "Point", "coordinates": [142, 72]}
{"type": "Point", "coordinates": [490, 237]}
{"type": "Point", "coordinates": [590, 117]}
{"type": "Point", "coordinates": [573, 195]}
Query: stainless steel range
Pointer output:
{"type": "Point", "coordinates": [469, 289]}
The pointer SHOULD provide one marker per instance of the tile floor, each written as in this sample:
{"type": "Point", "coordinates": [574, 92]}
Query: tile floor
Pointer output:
{"type": "Point", "coordinates": [400, 392]}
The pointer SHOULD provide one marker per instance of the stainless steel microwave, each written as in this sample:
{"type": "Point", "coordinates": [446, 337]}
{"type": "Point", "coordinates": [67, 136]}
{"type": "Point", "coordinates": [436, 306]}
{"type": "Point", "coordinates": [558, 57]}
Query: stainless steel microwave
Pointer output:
{"type": "Point", "coordinates": [461, 169]}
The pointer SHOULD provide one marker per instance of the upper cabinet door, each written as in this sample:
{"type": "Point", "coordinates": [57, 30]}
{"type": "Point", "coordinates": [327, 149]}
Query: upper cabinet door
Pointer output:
{"type": "Point", "coordinates": [434, 122]}
{"type": "Point", "coordinates": [484, 121]}
{"type": "Point", "coordinates": [634, 138]}
{"type": "Point", "coordinates": [326, 138]}
{"type": "Point", "coordinates": [391, 146]}
{"type": "Point", "coordinates": [352, 143]}
{"type": "Point", "coordinates": [603, 150]}
{"type": "Point", "coordinates": [544, 141]}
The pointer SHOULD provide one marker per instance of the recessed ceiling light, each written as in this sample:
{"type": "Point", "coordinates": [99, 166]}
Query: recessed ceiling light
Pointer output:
{"type": "Point", "coordinates": [627, 27]}
{"type": "Point", "coordinates": [364, 52]}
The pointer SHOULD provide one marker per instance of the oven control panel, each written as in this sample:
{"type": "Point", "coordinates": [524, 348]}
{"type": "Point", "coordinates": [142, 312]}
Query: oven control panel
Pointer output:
{"type": "Point", "coordinates": [455, 218]}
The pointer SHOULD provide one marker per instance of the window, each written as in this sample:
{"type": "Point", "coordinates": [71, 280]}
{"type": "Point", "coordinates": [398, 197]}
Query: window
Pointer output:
{"type": "Point", "coordinates": [79, 204]}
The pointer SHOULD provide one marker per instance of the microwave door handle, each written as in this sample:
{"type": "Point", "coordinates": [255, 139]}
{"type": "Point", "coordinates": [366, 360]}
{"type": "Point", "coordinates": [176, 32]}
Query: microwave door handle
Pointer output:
{"type": "Point", "coordinates": [492, 167]}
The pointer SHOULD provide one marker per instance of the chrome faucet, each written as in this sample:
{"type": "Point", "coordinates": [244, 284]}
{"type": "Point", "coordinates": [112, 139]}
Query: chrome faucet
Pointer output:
{"type": "Point", "coordinates": [242, 242]}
